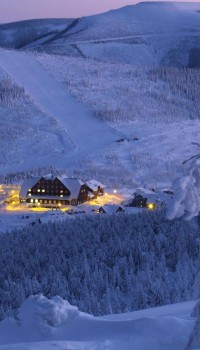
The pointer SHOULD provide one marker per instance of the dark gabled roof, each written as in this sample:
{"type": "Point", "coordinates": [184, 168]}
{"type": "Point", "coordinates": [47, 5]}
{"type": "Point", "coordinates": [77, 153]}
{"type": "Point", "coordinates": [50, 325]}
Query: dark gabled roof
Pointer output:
{"type": "Point", "coordinates": [111, 208]}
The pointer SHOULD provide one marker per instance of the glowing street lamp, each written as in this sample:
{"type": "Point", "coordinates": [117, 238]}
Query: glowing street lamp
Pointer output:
{"type": "Point", "coordinates": [151, 206]}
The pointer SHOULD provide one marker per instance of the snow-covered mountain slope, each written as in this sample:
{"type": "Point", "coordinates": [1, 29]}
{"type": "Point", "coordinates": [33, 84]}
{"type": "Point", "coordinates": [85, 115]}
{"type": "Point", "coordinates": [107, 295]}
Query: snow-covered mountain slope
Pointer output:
{"type": "Point", "coordinates": [152, 108]}
{"type": "Point", "coordinates": [146, 33]}
{"type": "Point", "coordinates": [149, 109]}
{"type": "Point", "coordinates": [73, 123]}
{"type": "Point", "coordinates": [55, 324]}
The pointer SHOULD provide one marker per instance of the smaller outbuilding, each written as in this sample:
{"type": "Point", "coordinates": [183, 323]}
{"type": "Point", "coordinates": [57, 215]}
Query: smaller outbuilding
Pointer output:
{"type": "Point", "coordinates": [95, 188]}
{"type": "Point", "coordinates": [110, 209]}
{"type": "Point", "coordinates": [147, 199]}
{"type": "Point", "coordinates": [138, 200]}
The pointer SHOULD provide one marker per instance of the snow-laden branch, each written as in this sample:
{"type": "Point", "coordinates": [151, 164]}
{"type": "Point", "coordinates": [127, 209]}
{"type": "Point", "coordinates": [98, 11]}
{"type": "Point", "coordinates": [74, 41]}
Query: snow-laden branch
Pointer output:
{"type": "Point", "coordinates": [186, 202]}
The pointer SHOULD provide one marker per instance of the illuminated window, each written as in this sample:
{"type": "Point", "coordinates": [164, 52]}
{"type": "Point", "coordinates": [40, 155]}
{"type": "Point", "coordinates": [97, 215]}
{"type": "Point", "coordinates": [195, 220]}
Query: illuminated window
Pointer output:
{"type": "Point", "coordinates": [38, 190]}
{"type": "Point", "coordinates": [43, 191]}
{"type": "Point", "coordinates": [61, 195]}
{"type": "Point", "coordinates": [32, 201]}
{"type": "Point", "coordinates": [29, 194]}
{"type": "Point", "coordinates": [36, 201]}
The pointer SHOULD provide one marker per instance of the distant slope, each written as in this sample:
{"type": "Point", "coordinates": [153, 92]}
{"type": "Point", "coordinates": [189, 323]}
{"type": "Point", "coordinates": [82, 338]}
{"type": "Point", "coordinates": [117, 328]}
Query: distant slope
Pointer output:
{"type": "Point", "coordinates": [18, 34]}
{"type": "Point", "coordinates": [158, 33]}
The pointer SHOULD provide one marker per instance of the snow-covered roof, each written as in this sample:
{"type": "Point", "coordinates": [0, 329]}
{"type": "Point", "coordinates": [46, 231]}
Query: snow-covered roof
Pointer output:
{"type": "Point", "coordinates": [153, 197]}
{"type": "Point", "coordinates": [50, 177]}
{"type": "Point", "coordinates": [73, 185]}
{"type": "Point", "coordinates": [94, 184]}
{"type": "Point", "coordinates": [111, 208]}
{"type": "Point", "coordinates": [27, 185]}
{"type": "Point", "coordinates": [143, 191]}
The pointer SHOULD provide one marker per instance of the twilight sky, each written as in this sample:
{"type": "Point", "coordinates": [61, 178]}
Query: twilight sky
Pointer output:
{"type": "Point", "coordinates": [15, 10]}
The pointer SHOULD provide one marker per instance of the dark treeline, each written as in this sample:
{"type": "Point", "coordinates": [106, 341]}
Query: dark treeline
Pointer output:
{"type": "Point", "coordinates": [102, 264]}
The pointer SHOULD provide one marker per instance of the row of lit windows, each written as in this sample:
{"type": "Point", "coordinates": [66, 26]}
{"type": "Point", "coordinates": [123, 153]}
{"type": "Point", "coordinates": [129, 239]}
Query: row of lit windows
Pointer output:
{"type": "Point", "coordinates": [61, 195]}
{"type": "Point", "coordinates": [44, 201]}
{"type": "Point", "coordinates": [43, 191]}
{"type": "Point", "coordinates": [49, 185]}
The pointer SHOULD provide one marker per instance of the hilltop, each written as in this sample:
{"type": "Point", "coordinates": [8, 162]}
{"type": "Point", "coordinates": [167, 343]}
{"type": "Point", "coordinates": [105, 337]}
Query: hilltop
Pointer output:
{"type": "Point", "coordinates": [155, 33]}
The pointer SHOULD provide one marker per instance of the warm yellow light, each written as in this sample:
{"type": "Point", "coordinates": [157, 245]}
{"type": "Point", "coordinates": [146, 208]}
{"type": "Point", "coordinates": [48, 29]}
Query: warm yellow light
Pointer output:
{"type": "Point", "coordinates": [106, 193]}
{"type": "Point", "coordinates": [150, 206]}
{"type": "Point", "coordinates": [59, 204]}
{"type": "Point", "coordinates": [12, 191]}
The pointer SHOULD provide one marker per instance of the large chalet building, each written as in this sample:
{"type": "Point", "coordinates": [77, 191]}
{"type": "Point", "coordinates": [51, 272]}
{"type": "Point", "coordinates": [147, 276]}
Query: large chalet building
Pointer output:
{"type": "Point", "coordinates": [51, 191]}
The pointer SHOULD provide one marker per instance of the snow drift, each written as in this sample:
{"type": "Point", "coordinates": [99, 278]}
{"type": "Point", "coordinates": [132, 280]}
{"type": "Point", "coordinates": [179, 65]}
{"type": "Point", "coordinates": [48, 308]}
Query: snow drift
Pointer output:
{"type": "Point", "coordinates": [61, 326]}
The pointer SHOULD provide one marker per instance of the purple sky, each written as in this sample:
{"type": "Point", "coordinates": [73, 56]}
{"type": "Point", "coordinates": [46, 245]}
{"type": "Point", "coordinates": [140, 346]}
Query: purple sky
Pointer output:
{"type": "Point", "coordinates": [14, 10]}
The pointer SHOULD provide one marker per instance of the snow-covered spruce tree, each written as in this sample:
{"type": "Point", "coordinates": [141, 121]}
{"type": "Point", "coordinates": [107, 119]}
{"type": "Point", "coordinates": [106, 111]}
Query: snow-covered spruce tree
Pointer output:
{"type": "Point", "coordinates": [186, 201]}
{"type": "Point", "coordinates": [186, 204]}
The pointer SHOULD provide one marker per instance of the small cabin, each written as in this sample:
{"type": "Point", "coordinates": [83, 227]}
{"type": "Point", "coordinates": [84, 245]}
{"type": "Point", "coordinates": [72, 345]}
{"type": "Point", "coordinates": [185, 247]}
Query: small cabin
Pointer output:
{"type": "Point", "coordinates": [95, 188]}
{"type": "Point", "coordinates": [110, 209]}
{"type": "Point", "coordinates": [138, 200]}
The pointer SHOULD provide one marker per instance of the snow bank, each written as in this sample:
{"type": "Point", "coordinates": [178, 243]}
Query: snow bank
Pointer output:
{"type": "Point", "coordinates": [38, 319]}
{"type": "Point", "coordinates": [40, 312]}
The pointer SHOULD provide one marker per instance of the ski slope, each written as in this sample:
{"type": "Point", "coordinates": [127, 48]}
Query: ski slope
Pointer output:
{"type": "Point", "coordinates": [55, 324]}
{"type": "Point", "coordinates": [78, 130]}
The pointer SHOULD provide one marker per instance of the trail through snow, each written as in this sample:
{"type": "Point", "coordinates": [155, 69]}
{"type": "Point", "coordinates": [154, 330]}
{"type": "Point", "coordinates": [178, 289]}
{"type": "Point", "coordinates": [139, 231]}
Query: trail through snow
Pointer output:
{"type": "Point", "coordinates": [80, 133]}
